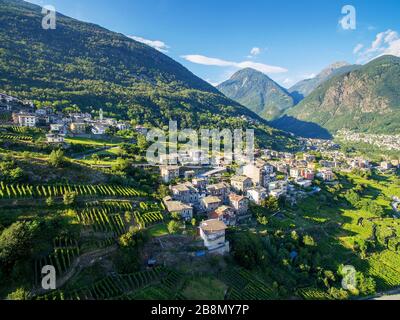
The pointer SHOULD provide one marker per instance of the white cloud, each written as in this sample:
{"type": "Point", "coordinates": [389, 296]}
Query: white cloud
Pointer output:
{"type": "Point", "coordinates": [287, 82]}
{"type": "Point", "coordinates": [357, 48]}
{"type": "Point", "coordinates": [387, 42]}
{"type": "Point", "coordinates": [199, 59]}
{"type": "Point", "coordinates": [213, 83]}
{"type": "Point", "coordinates": [309, 76]}
{"type": "Point", "coordinates": [156, 44]}
{"type": "Point", "coordinates": [255, 51]}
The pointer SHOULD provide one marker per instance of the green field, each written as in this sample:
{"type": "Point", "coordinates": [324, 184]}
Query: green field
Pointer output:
{"type": "Point", "coordinates": [91, 141]}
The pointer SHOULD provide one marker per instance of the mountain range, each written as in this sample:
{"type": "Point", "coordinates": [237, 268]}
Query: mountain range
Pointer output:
{"type": "Point", "coordinates": [267, 98]}
{"type": "Point", "coordinates": [258, 92]}
{"type": "Point", "coordinates": [303, 88]}
{"type": "Point", "coordinates": [362, 98]}
{"type": "Point", "coordinates": [83, 66]}
{"type": "Point", "coordinates": [366, 99]}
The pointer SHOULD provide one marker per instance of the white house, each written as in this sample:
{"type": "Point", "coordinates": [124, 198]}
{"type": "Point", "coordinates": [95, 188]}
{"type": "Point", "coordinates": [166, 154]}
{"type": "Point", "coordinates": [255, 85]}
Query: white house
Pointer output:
{"type": "Point", "coordinates": [304, 183]}
{"type": "Point", "coordinates": [99, 129]}
{"type": "Point", "coordinates": [169, 173]}
{"type": "Point", "coordinates": [26, 119]}
{"type": "Point", "coordinates": [54, 138]}
{"type": "Point", "coordinates": [257, 194]}
{"type": "Point", "coordinates": [58, 127]}
{"type": "Point", "coordinates": [295, 172]}
{"type": "Point", "coordinates": [213, 234]}
{"type": "Point", "coordinates": [123, 125]}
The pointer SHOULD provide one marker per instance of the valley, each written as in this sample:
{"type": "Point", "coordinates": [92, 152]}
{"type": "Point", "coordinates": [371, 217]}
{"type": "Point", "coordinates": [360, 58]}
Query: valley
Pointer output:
{"type": "Point", "coordinates": [312, 194]}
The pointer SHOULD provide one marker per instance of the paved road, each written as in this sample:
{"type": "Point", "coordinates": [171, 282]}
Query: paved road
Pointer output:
{"type": "Point", "coordinates": [387, 295]}
{"type": "Point", "coordinates": [392, 297]}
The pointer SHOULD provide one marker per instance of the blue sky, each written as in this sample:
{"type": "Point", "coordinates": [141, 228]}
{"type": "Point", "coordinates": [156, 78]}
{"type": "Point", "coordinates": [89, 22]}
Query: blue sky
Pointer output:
{"type": "Point", "coordinates": [289, 40]}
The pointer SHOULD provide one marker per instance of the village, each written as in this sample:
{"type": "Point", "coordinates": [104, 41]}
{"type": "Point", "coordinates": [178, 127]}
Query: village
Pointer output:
{"type": "Point", "coordinates": [224, 200]}
{"type": "Point", "coordinates": [220, 194]}
{"type": "Point", "coordinates": [384, 141]}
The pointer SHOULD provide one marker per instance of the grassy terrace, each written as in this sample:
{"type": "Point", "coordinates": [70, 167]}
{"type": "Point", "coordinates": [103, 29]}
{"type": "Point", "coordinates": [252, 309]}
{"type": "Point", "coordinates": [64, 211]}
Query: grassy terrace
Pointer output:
{"type": "Point", "coordinates": [93, 141]}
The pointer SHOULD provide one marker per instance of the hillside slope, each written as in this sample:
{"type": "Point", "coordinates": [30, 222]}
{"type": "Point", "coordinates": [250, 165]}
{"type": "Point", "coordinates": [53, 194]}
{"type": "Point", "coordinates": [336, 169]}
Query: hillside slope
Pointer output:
{"type": "Point", "coordinates": [303, 88]}
{"type": "Point", "coordinates": [88, 66]}
{"type": "Point", "coordinates": [366, 99]}
{"type": "Point", "coordinates": [258, 92]}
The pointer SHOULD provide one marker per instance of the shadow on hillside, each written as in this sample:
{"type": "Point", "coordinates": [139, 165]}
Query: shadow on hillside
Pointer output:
{"type": "Point", "coordinates": [301, 128]}
{"type": "Point", "coordinates": [297, 97]}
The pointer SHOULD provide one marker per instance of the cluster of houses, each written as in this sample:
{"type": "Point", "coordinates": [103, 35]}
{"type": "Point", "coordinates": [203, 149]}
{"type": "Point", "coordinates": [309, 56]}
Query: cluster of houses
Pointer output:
{"type": "Point", "coordinates": [384, 141]}
{"type": "Point", "coordinates": [24, 114]}
{"type": "Point", "coordinates": [226, 202]}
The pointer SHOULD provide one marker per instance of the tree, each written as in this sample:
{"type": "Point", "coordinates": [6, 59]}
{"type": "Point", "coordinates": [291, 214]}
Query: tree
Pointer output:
{"type": "Point", "coordinates": [142, 143]}
{"type": "Point", "coordinates": [271, 204]}
{"type": "Point", "coordinates": [127, 239]}
{"type": "Point", "coordinates": [56, 158]}
{"type": "Point", "coordinates": [16, 174]}
{"type": "Point", "coordinates": [121, 165]}
{"type": "Point", "coordinates": [128, 217]}
{"type": "Point", "coordinates": [308, 240]}
{"type": "Point", "coordinates": [162, 191]}
{"type": "Point", "coordinates": [19, 294]}
{"type": "Point", "coordinates": [15, 243]}
{"type": "Point", "coordinates": [176, 216]}
{"type": "Point", "coordinates": [173, 226]}
{"type": "Point", "coordinates": [49, 201]}
{"type": "Point", "coordinates": [248, 250]}
{"type": "Point", "coordinates": [365, 285]}
{"type": "Point", "coordinates": [338, 294]}
{"type": "Point", "coordinates": [262, 220]}
{"type": "Point", "coordinates": [294, 235]}
{"type": "Point", "coordinates": [69, 198]}
{"type": "Point", "coordinates": [95, 158]}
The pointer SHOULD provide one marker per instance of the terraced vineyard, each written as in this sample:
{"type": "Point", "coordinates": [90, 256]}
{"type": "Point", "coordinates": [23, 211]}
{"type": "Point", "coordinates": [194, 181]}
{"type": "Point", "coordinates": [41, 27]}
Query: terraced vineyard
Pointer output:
{"type": "Point", "coordinates": [313, 294]}
{"type": "Point", "coordinates": [102, 219]}
{"type": "Point", "coordinates": [15, 137]}
{"type": "Point", "coordinates": [65, 251]}
{"type": "Point", "coordinates": [129, 286]}
{"type": "Point", "coordinates": [244, 286]}
{"type": "Point", "coordinates": [385, 269]}
{"type": "Point", "coordinates": [108, 216]}
{"type": "Point", "coordinates": [15, 191]}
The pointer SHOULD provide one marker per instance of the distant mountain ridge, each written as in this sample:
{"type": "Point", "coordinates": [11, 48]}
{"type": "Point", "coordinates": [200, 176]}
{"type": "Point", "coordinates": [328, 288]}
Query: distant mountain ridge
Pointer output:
{"type": "Point", "coordinates": [366, 99]}
{"type": "Point", "coordinates": [258, 92]}
{"type": "Point", "coordinates": [303, 88]}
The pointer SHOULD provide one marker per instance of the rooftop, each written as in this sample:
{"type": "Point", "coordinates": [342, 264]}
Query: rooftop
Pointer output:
{"type": "Point", "coordinates": [174, 206]}
{"type": "Point", "coordinates": [239, 178]}
{"type": "Point", "coordinates": [235, 197]}
{"type": "Point", "coordinates": [211, 199]}
{"type": "Point", "coordinates": [181, 187]}
{"type": "Point", "coordinates": [213, 225]}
